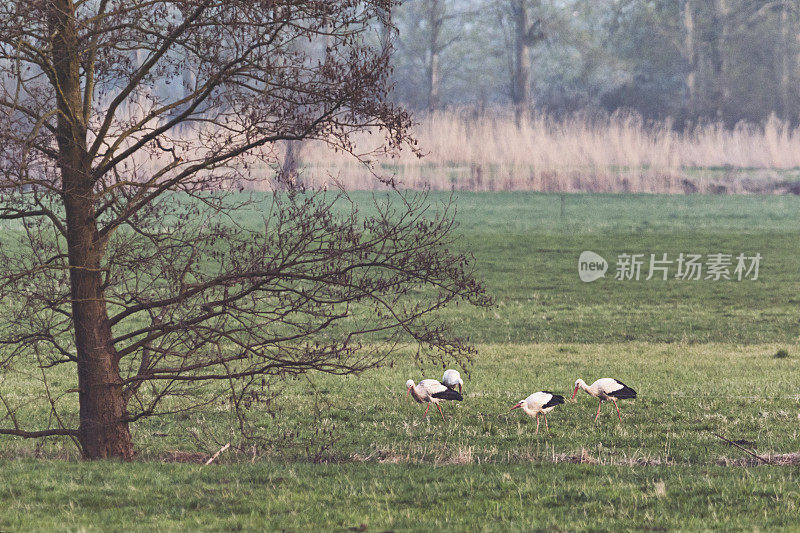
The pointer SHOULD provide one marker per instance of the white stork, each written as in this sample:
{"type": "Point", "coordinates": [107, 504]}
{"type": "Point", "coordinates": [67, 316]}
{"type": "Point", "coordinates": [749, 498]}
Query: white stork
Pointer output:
{"type": "Point", "coordinates": [541, 402]}
{"type": "Point", "coordinates": [431, 391]}
{"type": "Point", "coordinates": [605, 389]}
{"type": "Point", "coordinates": [452, 379]}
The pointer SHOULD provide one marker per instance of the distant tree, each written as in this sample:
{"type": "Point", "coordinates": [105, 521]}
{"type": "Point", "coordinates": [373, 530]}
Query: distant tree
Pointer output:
{"type": "Point", "coordinates": [435, 13]}
{"type": "Point", "coordinates": [690, 55]}
{"type": "Point", "coordinates": [434, 46]}
{"type": "Point", "coordinates": [787, 13]}
{"type": "Point", "coordinates": [720, 57]}
{"type": "Point", "coordinates": [123, 263]}
{"type": "Point", "coordinates": [726, 60]}
{"type": "Point", "coordinates": [785, 60]}
{"type": "Point", "coordinates": [430, 18]}
{"type": "Point", "coordinates": [528, 31]}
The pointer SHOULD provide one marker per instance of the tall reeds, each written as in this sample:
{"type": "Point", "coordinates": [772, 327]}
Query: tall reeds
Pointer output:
{"type": "Point", "coordinates": [617, 153]}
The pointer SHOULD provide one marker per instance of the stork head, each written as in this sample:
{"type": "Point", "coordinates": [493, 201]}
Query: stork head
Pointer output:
{"type": "Point", "coordinates": [460, 385]}
{"type": "Point", "coordinates": [578, 383]}
{"type": "Point", "coordinates": [409, 385]}
{"type": "Point", "coordinates": [519, 404]}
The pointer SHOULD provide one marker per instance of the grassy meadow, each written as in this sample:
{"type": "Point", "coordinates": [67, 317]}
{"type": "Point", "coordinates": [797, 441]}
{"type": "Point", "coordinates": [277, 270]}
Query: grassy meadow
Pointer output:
{"type": "Point", "coordinates": [701, 354]}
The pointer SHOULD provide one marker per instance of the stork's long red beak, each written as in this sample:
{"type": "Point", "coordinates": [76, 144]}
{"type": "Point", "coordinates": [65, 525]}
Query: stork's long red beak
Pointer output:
{"type": "Point", "coordinates": [575, 392]}
{"type": "Point", "coordinates": [517, 406]}
{"type": "Point", "coordinates": [408, 392]}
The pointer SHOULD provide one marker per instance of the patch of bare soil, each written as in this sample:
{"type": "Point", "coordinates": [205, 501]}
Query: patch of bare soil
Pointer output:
{"type": "Point", "coordinates": [583, 458]}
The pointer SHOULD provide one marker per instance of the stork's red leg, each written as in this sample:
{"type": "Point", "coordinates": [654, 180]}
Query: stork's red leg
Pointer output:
{"type": "Point", "coordinates": [440, 412]}
{"type": "Point", "coordinates": [598, 410]}
{"type": "Point", "coordinates": [426, 411]}
{"type": "Point", "coordinates": [545, 422]}
{"type": "Point", "coordinates": [617, 406]}
{"type": "Point", "coordinates": [537, 423]}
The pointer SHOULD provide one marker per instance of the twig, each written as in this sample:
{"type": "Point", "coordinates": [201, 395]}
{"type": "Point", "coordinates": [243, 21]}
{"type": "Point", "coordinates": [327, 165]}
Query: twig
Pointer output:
{"type": "Point", "coordinates": [767, 461]}
{"type": "Point", "coordinates": [217, 454]}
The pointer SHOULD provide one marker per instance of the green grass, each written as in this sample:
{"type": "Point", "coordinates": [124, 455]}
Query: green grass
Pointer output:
{"type": "Point", "coordinates": [530, 254]}
{"type": "Point", "coordinates": [527, 252]}
{"type": "Point", "coordinates": [686, 391]}
{"type": "Point", "coordinates": [702, 356]}
{"type": "Point", "coordinates": [385, 497]}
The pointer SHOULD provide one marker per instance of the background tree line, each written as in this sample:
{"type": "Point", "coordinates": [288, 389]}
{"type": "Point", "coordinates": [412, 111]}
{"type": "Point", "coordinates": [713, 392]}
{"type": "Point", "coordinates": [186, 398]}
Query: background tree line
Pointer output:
{"type": "Point", "coordinates": [689, 60]}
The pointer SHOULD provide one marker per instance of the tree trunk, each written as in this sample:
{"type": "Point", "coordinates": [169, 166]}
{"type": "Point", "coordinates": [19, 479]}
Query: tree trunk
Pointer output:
{"type": "Point", "coordinates": [435, 14]}
{"type": "Point", "coordinates": [433, 81]}
{"type": "Point", "coordinates": [720, 59]}
{"type": "Point", "coordinates": [289, 172]}
{"type": "Point", "coordinates": [785, 62]}
{"type": "Point", "coordinates": [522, 61]}
{"type": "Point", "coordinates": [103, 429]}
{"type": "Point", "coordinates": [690, 53]}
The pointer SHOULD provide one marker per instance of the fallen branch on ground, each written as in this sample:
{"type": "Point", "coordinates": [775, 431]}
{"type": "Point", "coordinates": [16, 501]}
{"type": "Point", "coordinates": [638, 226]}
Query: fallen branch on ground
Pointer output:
{"type": "Point", "coordinates": [767, 461]}
{"type": "Point", "coordinates": [211, 460]}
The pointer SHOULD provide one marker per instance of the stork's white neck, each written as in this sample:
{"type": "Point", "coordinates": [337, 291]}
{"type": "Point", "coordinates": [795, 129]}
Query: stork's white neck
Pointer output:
{"type": "Point", "coordinates": [415, 394]}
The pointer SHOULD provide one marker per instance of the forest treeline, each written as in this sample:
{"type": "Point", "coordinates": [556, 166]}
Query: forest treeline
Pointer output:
{"type": "Point", "coordinates": [692, 61]}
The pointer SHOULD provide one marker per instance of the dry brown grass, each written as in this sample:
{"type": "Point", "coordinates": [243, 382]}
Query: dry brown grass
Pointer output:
{"type": "Point", "coordinates": [618, 154]}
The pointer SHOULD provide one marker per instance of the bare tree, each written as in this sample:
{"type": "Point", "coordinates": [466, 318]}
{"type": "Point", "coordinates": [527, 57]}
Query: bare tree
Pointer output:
{"type": "Point", "coordinates": [125, 263]}
{"type": "Point", "coordinates": [434, 16]}
{"type": "Point", "coordinates": [430, 28]}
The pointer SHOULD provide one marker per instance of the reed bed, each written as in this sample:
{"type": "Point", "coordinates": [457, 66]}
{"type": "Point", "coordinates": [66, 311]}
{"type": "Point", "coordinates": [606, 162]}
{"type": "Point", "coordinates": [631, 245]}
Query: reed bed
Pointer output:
{"type": "Point", "coordinates": [617, 153]}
